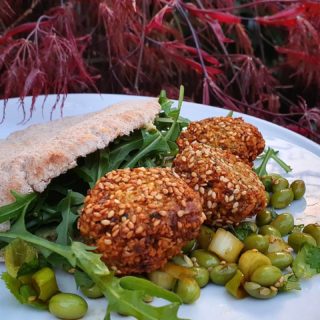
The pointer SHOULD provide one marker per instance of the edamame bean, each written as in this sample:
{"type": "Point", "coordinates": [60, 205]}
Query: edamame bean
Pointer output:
{"type": "Point", "coordinates": [256, 241]}
{"type": "Point", "coordinates": [268, 197]}
{"type": "Point", "coordinates": [282, 198]}
{"type": "Point", "coordinates": [188, 290]}
{"type": "Point", "coordinates": [269, 230]}
{"type": "Point", "coordinates": [280, 259]}
{"type": "Point", "coordinates": [279, 184]}
{"type": "Point", "coordinates": [277, 244]}
{"type": "Point", "coordinates": [284, 223]}
{"type": "Point", "coordinates": [267, 182]}
{"type": "Point", "coordinates": [250, 261]}
{"type": "Point", "coordinates": [255, 290]}
{"type": "Point", "coordinates": [266, 275]}
{"type": "Point", "coordinates": [314, 230]}
{"type": "Point", "coordinates": [68, 306]}
{"type": "Point", "coordinates": [297, 239]}
{"type": "Point", "coordinates": [263, 217]}
{"type": "Point", "coordinates": [222, 273]}
{"type": "Point", "coordinates": [162, 279]}
{"type": "Point", "coordinates": [201, 276]}
{"type": "Point", "coordinates": [298, 188]}
{"type": "Point", "coordinates": [205, 258]}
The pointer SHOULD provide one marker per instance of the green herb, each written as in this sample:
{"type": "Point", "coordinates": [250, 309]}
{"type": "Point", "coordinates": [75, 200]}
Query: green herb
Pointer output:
{"type": "Point", "coordinates": [291, 282]}
{"type": "Point", "coordinates": [307, 262]}
{"type": "Point", "coordinates": [270, 153]}
{"type": "Point", "coordinates": [242, 231]}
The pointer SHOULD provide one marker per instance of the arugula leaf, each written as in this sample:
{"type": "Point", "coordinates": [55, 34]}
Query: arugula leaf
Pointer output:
{"type": "Point", "coordinates": [270, 153]}
{"type": "Point", "coordinates": [65, 228]}
{"type": "Point", "coordinates": [165, 103]}
{"type": "Point", "coordinates": [307, 262]}
{"type": "Point", "coordinates": [82, 279]}
{"type": "Point", "coordinates": [13, 210]}
{"type": "Point", "coordinates": [242, 230]}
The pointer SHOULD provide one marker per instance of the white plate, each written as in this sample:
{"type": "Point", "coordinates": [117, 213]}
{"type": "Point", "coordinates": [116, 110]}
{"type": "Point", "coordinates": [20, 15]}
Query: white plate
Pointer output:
{"type": "Point", "coordinates": [302, 154]}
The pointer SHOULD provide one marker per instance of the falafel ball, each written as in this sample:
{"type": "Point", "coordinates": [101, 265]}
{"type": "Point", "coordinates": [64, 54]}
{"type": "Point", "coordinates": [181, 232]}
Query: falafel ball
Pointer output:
{"type": "Point", "coordinates": [230, 190]}
{"type": "Point", "coordinates": [233, 134]}
{"type": "Point", "coordinates": [139, 218]}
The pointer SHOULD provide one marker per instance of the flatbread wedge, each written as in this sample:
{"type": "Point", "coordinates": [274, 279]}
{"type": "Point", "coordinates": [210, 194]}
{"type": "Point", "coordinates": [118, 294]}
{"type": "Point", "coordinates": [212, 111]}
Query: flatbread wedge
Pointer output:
{"type": "Point", "coordinates": [31, 158]}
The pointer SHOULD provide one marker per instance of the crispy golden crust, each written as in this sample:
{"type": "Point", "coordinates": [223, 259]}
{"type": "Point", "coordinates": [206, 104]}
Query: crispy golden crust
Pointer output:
{"type": "Point", "coordinates": [139, 218]}
{"type": "Point", "coordinates": [233, 134]}
{"type": "Point", "coordinates": [230, 190]}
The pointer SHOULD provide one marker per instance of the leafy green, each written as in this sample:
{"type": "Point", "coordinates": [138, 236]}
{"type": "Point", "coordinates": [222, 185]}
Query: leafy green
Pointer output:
{"type": "Point", "coordinates": [270, 153]}
{"type": "Point", "coordinates": [65, 228]}
{"type": "Point", "coordinates": [307, 262]}
{"type": "Point", "coordinates": [291, 282]}
{"type": "Point", "coordinates": [242, 230]}
{"type": "Point", "coordinates": [13, 210]}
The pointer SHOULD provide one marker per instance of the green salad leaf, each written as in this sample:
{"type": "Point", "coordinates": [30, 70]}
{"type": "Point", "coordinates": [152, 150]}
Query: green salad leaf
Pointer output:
{"type": "Point", "coordinates": [291, 282]}
{"type": "Point", "coordinates": [307, 262]}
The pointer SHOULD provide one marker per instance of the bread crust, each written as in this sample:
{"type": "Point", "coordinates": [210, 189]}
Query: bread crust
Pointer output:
{"type": "Point", "coordinates": [31, 158]}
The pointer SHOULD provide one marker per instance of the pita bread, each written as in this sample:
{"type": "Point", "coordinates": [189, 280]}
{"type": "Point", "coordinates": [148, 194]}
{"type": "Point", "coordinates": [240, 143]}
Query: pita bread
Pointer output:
{"type": "Point", "coordinates": [31, 158]}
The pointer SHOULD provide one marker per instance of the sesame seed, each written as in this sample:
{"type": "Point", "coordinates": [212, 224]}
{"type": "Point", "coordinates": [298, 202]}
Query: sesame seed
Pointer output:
{"type": "Point", "coordinates": [139, 230]}
{"type": "Point", "coordinates": [107, 241]}
{"type": "Point", "coordinates": [105, 222]}
{"type": "Point", "coordinates": [181, 213]}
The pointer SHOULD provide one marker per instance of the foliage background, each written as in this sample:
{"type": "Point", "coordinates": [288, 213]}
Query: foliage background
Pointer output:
{"type": "Point", "coordinates": [258, 57]}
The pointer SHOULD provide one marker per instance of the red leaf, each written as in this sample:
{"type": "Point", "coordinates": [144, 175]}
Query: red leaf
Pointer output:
{"type": "Point", "coordinates": [194, 51]}
{"type": "Point", "coordinates": [157, 23]}
{"type": "Point", "coordinates": [300, 55]}
{"type": "Point", "coordinates": [217, 29]}
{"type": "Point", "coordinates": [284, 18]}
{"type": "Point", "coordinates": [211, 15]}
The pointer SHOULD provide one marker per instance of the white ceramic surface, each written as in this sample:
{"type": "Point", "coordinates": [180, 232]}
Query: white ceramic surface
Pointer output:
{"type": "Point", "coordinates": [302, 154]}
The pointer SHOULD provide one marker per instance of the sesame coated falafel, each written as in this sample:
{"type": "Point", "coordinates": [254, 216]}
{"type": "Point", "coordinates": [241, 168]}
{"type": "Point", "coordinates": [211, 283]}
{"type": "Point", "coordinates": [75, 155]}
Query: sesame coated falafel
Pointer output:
{"type": "Point", "coordinates": [230, 190]}
{"type": "Point", "coordinates": [233, 134]}
{"type": "Point", "coordinates": [139, 218]}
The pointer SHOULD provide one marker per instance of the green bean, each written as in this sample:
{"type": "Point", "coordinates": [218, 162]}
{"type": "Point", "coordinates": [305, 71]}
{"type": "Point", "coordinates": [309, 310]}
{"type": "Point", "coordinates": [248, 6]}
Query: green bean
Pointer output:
{"type": "Point", "coordinates": [269, 230]}
{"type": "Point", "coordinates": [267, 182]}
{"type": "Point", "coordinates": [256, 241]}
{"type": "Point", "coordinates": [277, 244]}
{"type": "Point", "coordinates": [205, 236]}
{"type": "Point", "coordinates": [279, 184]}
{"type": "Point", "coordinates": [263, 217]}
{"type": "Point", "coordinates": [188, 290]}
{"type": "Point", "coordinates": [251, 260]}
{"type": "Point", "coordinates": [297, 239]}
{"type": "Point", "coordinates": [284, 223]}
{"type": "Point", "coordinates": [298, 188]}
{"type": "Point", "coordinates": [280, 259]}
{"type": "Point", "coordinates": [255, 290]}
{"type": "Point", "coordinates": [162, 279]}
{"type": "Point", "coordinates": [182, 260]}
{"type": "Point", "coordinates": [205, 258]}
{"type": "Point", "coordinates": [222, 273]}
{"type": "Point", "coordinates": [282, 198]}
{"type": "Point", "coordinates": [266, 275]}
{"type": "Point", "coordinates": [201, 276]}
{"type": "Point", "coordinates": [45, 283]}
{"type": "Point", "coordinates": [314, 230]}
{"type": "Point", "coordinates": [68, 306]}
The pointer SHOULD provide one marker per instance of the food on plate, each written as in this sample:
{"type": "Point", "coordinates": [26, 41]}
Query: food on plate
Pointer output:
{"type": "Point", "coordinates": [232, 134]}
{"type": "Point", "coordinates": [230, 190]}
{"type": "Point", "coordinates": [139, 218]}
{"type": "Point", "coordinates": [31, 158]}
{"type": "Point", "coordinates": [143, 217]}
